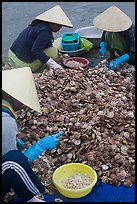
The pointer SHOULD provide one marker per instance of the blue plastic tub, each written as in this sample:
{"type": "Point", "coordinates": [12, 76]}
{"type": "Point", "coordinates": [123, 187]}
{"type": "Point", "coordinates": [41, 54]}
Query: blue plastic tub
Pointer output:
{"type": "Point", "coordinates": [72, 45]}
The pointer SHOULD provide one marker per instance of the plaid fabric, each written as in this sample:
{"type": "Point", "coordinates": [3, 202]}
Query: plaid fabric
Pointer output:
{"type": "Point", "coordinates": [129, 36]}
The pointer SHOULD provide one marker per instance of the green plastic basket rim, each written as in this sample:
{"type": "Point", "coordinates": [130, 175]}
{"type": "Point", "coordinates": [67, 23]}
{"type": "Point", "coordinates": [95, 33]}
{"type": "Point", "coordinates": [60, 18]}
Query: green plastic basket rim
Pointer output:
{"type": "Point", "coordinates": [69, 38]}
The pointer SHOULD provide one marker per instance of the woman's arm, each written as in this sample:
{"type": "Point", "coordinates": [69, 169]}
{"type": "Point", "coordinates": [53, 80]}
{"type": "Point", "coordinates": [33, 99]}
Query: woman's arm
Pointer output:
{"type": "Point", "coordinates": [43, 41]}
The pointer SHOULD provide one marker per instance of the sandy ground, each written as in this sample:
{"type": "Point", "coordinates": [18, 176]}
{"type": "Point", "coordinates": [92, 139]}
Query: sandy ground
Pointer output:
{"type": "Point", "coordinates": [17, 15]}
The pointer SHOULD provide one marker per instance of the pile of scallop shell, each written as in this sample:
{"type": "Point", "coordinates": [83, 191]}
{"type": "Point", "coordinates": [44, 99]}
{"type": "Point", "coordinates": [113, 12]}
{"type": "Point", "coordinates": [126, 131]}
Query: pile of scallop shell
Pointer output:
{"type": "Point", "coordinates": [96, 110]}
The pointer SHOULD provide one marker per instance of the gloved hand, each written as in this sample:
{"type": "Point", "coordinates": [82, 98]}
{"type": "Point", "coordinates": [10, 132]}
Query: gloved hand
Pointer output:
{"type": "Point", "coordinates": [53, 65]}
{"type": "Point", "coordinates": [113, 64]}
{"type": "Point", "coordinates": [47, 143]}
{"type": "Point", "coordinates": [20, 144]}
{"type": "Point", "coordinates": [102, 49]}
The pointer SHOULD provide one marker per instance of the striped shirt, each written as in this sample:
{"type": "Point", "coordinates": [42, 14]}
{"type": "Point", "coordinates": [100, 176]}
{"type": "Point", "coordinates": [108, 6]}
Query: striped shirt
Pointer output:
{"type": "Point", "coordinates": [9, 128]}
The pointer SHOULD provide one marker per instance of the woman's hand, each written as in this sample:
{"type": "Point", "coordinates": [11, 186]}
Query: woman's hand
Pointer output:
{"type": "Point", "coordinates": [53, 65]}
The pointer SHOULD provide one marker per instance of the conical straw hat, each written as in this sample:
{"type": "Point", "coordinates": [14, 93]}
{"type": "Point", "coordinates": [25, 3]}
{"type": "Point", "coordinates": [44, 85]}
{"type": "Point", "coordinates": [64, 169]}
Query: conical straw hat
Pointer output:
{"type": "Point", "coordinates": [19, 83]}
{"type": "Point", "coordinates": [112, 20]}
{"type": "Point", "coordinates": [55, 15]}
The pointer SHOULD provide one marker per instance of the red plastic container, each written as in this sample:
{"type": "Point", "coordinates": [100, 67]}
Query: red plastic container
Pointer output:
{"type": "Point", "coordinates": [82, 60]}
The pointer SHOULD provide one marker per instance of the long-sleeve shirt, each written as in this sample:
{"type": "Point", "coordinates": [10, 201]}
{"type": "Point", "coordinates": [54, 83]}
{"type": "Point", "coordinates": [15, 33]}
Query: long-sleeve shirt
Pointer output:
{"type": "Point", "coordinates": [9, 132]}
{"type": "Point", "coordinates": [32, 41]}
{"type": "Point", "coordinates": [129, 37]}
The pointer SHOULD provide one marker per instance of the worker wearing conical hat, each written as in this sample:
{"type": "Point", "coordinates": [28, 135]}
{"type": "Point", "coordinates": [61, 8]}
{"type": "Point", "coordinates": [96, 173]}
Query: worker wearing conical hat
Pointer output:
{"type": "Point", "coordinates": [18, 90]}
{"type": "Point", "coordinates": [33, 47]}
{"type": "Point", "coordinates": [118, 37]}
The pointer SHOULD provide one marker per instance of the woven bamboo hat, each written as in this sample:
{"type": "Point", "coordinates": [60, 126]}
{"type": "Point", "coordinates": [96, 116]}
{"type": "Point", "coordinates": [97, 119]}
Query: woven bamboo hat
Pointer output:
{"type": "Point", "coordinates": [112, 20]}
{"type": "Point", "coordinates": [55, 15]}
{"type": "Point", "coordinates": [19, 83]}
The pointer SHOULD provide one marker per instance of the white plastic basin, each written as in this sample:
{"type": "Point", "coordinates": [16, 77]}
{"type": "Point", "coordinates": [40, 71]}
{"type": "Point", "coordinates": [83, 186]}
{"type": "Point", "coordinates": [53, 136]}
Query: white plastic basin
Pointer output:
{"type": "Point", "coordinates": [91, 33]}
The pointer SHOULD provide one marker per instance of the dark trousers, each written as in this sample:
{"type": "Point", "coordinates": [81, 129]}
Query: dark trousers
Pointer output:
{"type": "Point", "coordinates": [18, 175]}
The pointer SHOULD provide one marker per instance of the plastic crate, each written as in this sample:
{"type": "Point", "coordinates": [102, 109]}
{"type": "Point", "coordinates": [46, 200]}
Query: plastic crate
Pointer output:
{"type": "Point", "coordinates": [70, 46]}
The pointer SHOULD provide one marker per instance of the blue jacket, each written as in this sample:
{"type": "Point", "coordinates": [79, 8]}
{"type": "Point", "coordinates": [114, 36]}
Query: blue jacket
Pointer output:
{"type": "Point", "coordinates": [32, 41]}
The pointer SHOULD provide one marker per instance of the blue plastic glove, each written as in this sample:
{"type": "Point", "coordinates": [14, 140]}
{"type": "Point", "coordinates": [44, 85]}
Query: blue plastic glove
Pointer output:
{"type": "Point", "coordinates": [102, 49]}
{"type": "Point", "coordinates": [113, 64]}
{"type": "Point", "coordinates": [20, 144]}
{"type": "Point", "coordinates": [47, 143]}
